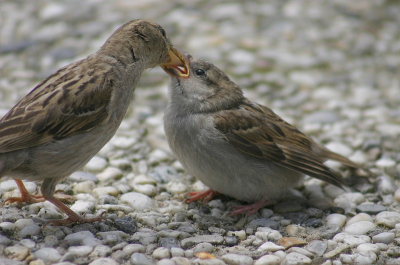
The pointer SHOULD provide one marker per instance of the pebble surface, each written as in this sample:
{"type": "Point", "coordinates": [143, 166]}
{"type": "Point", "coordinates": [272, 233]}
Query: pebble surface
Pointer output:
{"type": "Point", "coordinates": [328, 67]}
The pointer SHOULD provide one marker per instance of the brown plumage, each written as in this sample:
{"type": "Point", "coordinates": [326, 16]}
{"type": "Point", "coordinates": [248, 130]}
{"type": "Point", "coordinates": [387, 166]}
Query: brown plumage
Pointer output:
{"type": "Point", "coordinates": [66, 119]}
{"type": "Point", "coordinates": [238, 147]}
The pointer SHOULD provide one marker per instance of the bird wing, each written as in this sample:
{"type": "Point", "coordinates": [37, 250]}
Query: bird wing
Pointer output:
{"type": "Point", "coordinates": [70, 101]}
{"type": "Point", "coordinates": [257, 131]}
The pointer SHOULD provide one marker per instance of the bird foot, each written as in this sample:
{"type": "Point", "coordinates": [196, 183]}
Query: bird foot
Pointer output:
{"type": "Point", "coordinates": [75, 219]}
{"type": "Point", "coordinates": [250, 208]}
{"type": "Point", "coordinates": [198, 195]}
{"type": "Point", "coordinates": [24, 198]}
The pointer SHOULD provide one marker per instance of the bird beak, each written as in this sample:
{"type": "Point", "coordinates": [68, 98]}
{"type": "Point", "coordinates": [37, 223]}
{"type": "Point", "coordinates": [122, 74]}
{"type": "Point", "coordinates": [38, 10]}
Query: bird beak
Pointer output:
{"type": "Point", "coordinates": [178, 66]}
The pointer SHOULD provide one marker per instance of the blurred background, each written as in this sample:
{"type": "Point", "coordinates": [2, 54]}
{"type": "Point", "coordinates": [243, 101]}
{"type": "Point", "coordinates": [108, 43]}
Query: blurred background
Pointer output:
{"type": "Point", "coordinates": [329, 67]}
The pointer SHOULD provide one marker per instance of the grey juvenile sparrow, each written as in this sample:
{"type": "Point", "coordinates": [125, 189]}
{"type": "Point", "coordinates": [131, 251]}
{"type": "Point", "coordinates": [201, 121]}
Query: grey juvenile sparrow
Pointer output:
{"type": "Point", "coordinates": [237, 147]}
{"type": "Point", "coordinates": [67, 118]}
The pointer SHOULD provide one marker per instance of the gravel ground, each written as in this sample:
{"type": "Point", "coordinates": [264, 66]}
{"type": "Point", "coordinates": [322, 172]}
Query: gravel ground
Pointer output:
{"type": "Point", "coordinates": [329, 67]}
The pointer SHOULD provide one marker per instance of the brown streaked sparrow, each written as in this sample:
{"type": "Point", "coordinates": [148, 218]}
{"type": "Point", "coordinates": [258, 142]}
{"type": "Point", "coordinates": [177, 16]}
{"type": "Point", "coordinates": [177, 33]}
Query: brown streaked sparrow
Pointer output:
{"type": "Point", "coordinates": [237, 147]}
{"type": "Point", "coordinates": [67, 118]}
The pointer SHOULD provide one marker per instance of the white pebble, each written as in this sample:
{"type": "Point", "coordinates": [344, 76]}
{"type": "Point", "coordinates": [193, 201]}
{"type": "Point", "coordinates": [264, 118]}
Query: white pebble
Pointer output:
{"type": "Point", "coordinates": [21, 223]}
{"type": "Point", "coordinates": [123, 142]}
{"type": "Point", "coordinates": [236, 259]}
{"type": "Point", "coordinates": [358, 218]}
{"type": "Point", "coordinates": [360, 228]}
{"type": "Point", "coordinates": [268, 260]}
{"type": "Point", "coordinates": [368, 247]}
{"type": "Point", "coordinates": [177, 252]}
{"type": "Point", "coordinates": [269, 246]}
{"type": "Point", "coordinates": [241, 234]}
{"type": "Point", "coordinates": [110, 173]}
{"type": "Point", "coordinates": [385, 237]}
{"type": "Point", "coordinates": [78, 237]}
{"type": "Point", "coordinates": [137, 201]}
{"type": "Point", "coordinates": [351, 240]}
{"type": "Point", "coordinates": [385, 162]}
{"type": "Point", "coordinates": [339, 148]}
{"type": "Point", "coordinates": [30, 230]}
{"type": "Point", "coordinates": [29, 243]}
{"type": "Point", "coordinates": [96, 164]}
{"type": "Point", "coordinates": [84, 187]}
{"type": "Point", "coordinates": [388, 218]}
{"type": "Point", "coordinates": [97, 192]}
{"type": "Point", "coordinates": [80, 250]}
{"type": "Point", "coordinates": [161, 253]}
{"type": "Point", "coordinates": [146, 189]}
{"type": "Point", "coordinates": [81, 206]}
{"type": "Point", "coordinates": [176, 186]}
{"type": "Point", "coordinates": [337, 220]}
{"type": "Point", "coordinates": [48, 254]}
{"type": "Point", "coordinates": [296, 258]}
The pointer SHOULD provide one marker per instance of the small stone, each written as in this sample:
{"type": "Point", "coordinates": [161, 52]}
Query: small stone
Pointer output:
{"type": "Point", "coordinates": [31, 230]}
{"type": "Point", "coordinates": [84, 187]}
{"type": "Point", "coordinates": [385, 185]}
{"type": "Point", "coordinates": [168, 242]}
{"type": "Point", "coordinates": [231, 241]}
{"type": "Point", "coordinates": [301, 251]}
{"type": "Point", "coordinates": [314, 222]}
{"type": "Point", "coordinates": [126, 224]}
{"type": "Point", "coordinates": [112, 237]}
{"type": "Point", "coordinates": [397, 195]}
{"type": "Point", "coordinates": [163, 174]}
{"type": "Point", "coordinates": [21, 223]}
{"type": "Point", "coordinates": [137, 201]}
{"type": "Point", "coordinates": [203, 247]}
{"type": "Point", "coordinates": [317, 247]}
{"type": "Point", "coordinates": [110, 173]}
{"type": "Point", "coordinates": [77, 238]}
{"type": "Point", "coordinates": [351, 240]}
{"type": "Point", "coordinates": [212, 239]}
{"type": "Point", "coordinates": [337, 220]}
{"type": "Point", "coordinates": [80, 250]}
{"type": "Point", "coordinates": [177, 252]}
{"type": "Point", "coordinates": [360, 228]}
{"type": "Point", "coordinates": [29, 243]}
{"type": "Point", "coordinates": [16, 252]}
{"type": "Point", "coordinates": [161, 253]}
{"type": "Point", "coordinates": [97, 192]}
{"type": "Point", "coordinates": [358, 218]}
{"type": "Point", "coordinates": [368, 247]}
{"type": "Point", "coordinates": [4, 241]}
{"type": "Point", "coordinates": [140, 259]}
{"type": "Point", "coordinates": [134, 248]}
{"type": "Point", "coordinates": [176, 186]}
{"type": "Point", "coordinates": [103, 261]}
{"type": "Point", "coordinates": [296, 258]}
{"type": "Point", "coordinates": [269, 246]}
{"type": "Point", "coordinates": [96, 164]}
{"type": "Point", "coordinates": [48, 254]}
{"type": "Point", "coordinates": [370, 208]}
{"type": "Point", "coordinates": [100, 251]}
{"type": "Point", "coordinates": [388, 218]}
{"type": "Point", "coordinates": [291, 241]}
{"type": "Point", "coordinates": [268, 260]}
{"type": "Point", "coordinates": [146, 189]}
{"type": "Point", "coordinates": [385, 162]}
{"type": "Point", "coordinates": [241, 235]}
{"type": "Point", "coordinates": [235, 259]}
{"type": "Point", "coordinates": [295, 230]}
{"type": "Point", "coordinates": [340, 248]}
{"type": "Point", "coordinates": [385, 237]}
{"type": "Point", "coordinates": [82, 207]}
{"type": "Point", "coordinates": [333, 191]}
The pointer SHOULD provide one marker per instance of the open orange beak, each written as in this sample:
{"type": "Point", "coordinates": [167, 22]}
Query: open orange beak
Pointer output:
{"type": "Point", "coordinates": [178, 66]}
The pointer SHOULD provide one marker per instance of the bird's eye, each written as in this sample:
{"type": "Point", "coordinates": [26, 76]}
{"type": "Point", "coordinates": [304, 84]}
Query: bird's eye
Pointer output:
{"type": "Point", "coordinates": [200, 72]}
{"type": "Point", "coordinates": [163, 32]}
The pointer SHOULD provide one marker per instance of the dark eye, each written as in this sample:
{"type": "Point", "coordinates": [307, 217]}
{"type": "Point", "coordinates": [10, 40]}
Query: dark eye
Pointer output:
{"type": "Point", "coordinates": [200, 72]}
{"type": "Point", "coordinates": [163, 32]}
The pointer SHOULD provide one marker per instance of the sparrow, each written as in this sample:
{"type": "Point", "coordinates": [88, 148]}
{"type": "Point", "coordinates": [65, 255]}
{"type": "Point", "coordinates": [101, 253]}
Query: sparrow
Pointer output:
{"type": "Point", "coordinates": [235, 146]}
{"type": "Point", "coordinates": [68, 117]}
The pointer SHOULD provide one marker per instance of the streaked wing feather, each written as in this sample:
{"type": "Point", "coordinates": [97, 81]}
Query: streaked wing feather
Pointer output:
{"type": "Point", "coordinates": [66, 103]}
{"type": "Point", "coordinates": [268, 137]}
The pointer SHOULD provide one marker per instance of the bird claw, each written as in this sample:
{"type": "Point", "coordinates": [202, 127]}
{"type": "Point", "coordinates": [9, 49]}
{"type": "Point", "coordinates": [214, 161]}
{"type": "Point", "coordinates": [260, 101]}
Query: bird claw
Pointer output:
{"type": "Point", "coordinates": [27, 198]}
{"type": "Point", "coordinates": [198, 195]}
{"type": "Point", "coordinates": [250, 208]}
